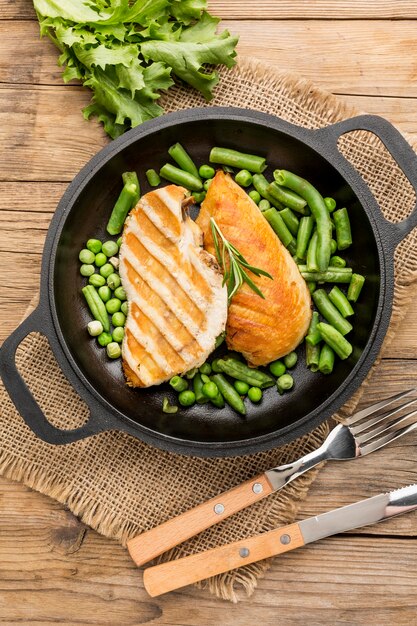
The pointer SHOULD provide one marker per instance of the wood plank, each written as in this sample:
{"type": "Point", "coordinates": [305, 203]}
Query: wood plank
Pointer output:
{"type": "Point", "coordinates": [293, 45]}
{"type": "Point", "coordinates": [340, 580]}
{"type": "Point", "coordinates": [272, 9]}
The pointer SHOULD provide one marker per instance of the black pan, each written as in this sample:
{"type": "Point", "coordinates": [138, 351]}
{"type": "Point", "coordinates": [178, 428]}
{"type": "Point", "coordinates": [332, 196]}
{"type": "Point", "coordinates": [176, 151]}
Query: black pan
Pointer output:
{"type": "Point", "coordinates": [83, 212]}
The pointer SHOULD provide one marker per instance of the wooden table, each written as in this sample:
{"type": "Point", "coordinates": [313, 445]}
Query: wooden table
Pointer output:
{"type": "Point", "coordinates": [52, 569]}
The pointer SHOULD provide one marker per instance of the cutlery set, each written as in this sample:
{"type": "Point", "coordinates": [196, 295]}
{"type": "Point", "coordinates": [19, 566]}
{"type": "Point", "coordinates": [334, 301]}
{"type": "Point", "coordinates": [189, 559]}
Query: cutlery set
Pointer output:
{"type": "Point", "coordinates": [366, 431]}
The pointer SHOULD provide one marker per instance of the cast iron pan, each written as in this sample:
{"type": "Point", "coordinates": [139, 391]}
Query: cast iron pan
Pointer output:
{"type": "Point", "coordinates": [83, 212]}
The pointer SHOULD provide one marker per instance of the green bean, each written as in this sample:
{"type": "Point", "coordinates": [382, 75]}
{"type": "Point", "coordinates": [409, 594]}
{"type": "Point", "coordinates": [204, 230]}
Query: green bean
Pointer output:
{"type": "Point", "coordinates": [206, 171]}
{"type": "Point", "coordinates": [205, 369]}
{"type": "Point", "coordinates": [210, 390]}
{"type": "Point", "coordinates": [312, 286]}
{"type": "Point", "coordinates": [285, 383]}
{"type": "Point", "coordinates": [105, 293]}
{"type": "Point", "coordinates": [255, 394]}
{"type": "Point", "coordinates": [94, 245]}
{"type": "Point", "coordinates": [264, 205]}
{"type": "Point", "coordinates": [118, 334]}
{"type": "Point", "coordinates": [312, 261]}
{"type": "Point", "coordinates": [290, 360]}
{"type": "Point", "coordinates": [200, 398]}
{"type": "Point", "coordinates": [218, 401]}
{"type": "Point", "coordinates": [303, 236]}
{"type": "Point", "coordinates": [153, 178]}
{"type": "Point", "coordinates": [97, 280]}
{"type": "Point", "coordinates": [86, 257]}
{"type": "Point", "coordinates": [215, 366]}
{"type": "Point", "coordinates": [240, 371]}
{"type": "Point", "coordinates": [106, 270]}
{"type": "Point", "coordinates": [180, 177]}
{"type": "Point", "coordinates": [290, 220]}
{"type": "Point", "coordinates": [119, 241]}
{"type": "Point", "coordinates": [316, 204]}
{"type": "Point", "coordinates": [277, 368]}
{"type": "Point", "coordinates": [261, 185]}
{"type": "Point", "coordinates": [110, 248]}
{"type": "Point", "coordinates": [326, 360]}
{"type": "Point", "coordinates": [104, 339]}
{"type": "Point", "coordinates": [186, 398]}
{"type": "Point", "coordinates": [333, 275]}
{"type": "Point", "coordinates": [337, 261]}
{"type": "Point", "coordinates": [288, 198]}
{"type": "Point", "coordinates": [113, 305]}
{"type": "Point", "coordinates": [255, 196]}
{"type": "Point", "coordinates": [96, 306]}
{"type": "Point", "coordinates": [167, 407]}
{"type": "Point", "coordinates": [191, 373]}
{"type": "Point", "coordinates": [355, 287]}
{"type": "Point", "coordinates": [199, 196]}
{"type": "Point", "coordinates": [278, 225]}
{"type": "Point", "coordinates": [113, 350]}
{"type": "Point", "coordinates": [87, 270]}
{"type": "Point", "coordinates": [229, 393]}
{"type": "Point", "coordinates": [178, 383]}
{"type": "Point", "coordinates": [313, 357]}
{"type": "Point", "coordinates": [205, 378]}
{"type": "Point", "coordinates": [127, 199]}
{"type": "Point", "coordinates": [313, 336]}
{"type": "Point", "coordinates": [94, 328]}
{"type": "Point", "coordinates": [183, 159]}
{"type": "Point", "coordinates": [333, 246]}
{"type": "Point", "coordinates": [341, 302]}
{"type": "Point", "coordinates": [118, 319]}
{"type": "Point", "coordinates": [335, 340]}
{"type": "Point", "coordinates": [330, 312]}
{"type": "Point", "coordinates": [330, 204]}
{"type": "Point", "coordinates": [343, 232]}
{"type": "Point", "coordinates": [233, 158]}
{"type": "Point", "coordinates": [120, 293]}
{"type": "Point", "coordinates": [100, 259]}
{"type": "Point", "coordinates": [125, 306]}
{"type": "Point", "coordinates": [241, 387]}
{"type": "Point", "coordinates": [219, 339]}
{"type": "Point", "coordinates": [243, 178]}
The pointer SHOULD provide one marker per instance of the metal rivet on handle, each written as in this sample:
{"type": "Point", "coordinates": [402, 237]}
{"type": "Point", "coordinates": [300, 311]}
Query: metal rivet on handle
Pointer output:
{"type": "Point", "coordinates": [219, 509]}
{"type": "Point", "coordinates": [243, 552]}
{"type": "Point", "coordinates": [257, 488]}
{"type": "Point", "coordinates": [285, 539]}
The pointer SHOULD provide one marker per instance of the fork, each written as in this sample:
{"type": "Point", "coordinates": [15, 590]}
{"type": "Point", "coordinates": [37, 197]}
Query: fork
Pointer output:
{"type": "Point", "coordinates": [364, 432]}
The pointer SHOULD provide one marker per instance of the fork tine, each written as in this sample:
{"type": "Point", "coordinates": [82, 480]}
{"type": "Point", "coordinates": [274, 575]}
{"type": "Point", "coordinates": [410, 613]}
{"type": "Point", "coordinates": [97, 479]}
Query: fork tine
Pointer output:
{"type": "Point", "coordinates": [355, 430]}
{"type": "Point", "coordinates": [377, 407]}
{"type": "Point", "coordinates": [392, 427]}
{"type": "Point", "coordinates": [383, 441]}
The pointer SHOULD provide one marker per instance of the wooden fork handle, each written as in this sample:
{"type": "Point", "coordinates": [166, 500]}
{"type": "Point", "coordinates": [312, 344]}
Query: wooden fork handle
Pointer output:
{"type": "Point", "coordinates": [175, 574]}
{"type": "Point", "coordinates": [148, 545]}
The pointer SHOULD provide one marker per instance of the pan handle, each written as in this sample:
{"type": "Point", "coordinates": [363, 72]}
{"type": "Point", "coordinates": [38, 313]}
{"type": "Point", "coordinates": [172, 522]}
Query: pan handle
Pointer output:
{"type": "Point", "coordinates": [400, 150]}
{"type": "Point", "coordinates": [25, 403]}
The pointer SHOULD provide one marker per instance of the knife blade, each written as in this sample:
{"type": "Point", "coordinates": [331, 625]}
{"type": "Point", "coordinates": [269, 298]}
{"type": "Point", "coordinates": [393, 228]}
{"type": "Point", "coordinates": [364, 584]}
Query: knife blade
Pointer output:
{"type": "Point", "coordinates": [175, 574]}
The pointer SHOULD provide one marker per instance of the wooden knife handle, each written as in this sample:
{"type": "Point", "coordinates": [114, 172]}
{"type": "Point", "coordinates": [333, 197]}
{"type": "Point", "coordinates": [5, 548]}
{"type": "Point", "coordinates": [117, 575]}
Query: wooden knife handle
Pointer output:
{"type": "Point", "coordinates": [152, 543]}
{"type": "Point", "coordinates": [175, 574]}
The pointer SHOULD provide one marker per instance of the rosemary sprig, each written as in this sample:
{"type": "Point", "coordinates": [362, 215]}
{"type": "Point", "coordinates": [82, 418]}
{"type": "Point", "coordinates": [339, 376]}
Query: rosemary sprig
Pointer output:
{"type": "Point", "coordinates": [235, 273]}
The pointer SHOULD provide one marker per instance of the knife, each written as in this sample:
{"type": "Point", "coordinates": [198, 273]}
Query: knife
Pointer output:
{"type": "Point", "coordinates": [175, 574]}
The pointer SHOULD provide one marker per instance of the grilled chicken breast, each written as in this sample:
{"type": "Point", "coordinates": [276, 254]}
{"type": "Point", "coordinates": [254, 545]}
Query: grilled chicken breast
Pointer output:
{"type": "Point", "coordinates": [261, 329]}
{"type": "Point", "coordinates": [177, 305]}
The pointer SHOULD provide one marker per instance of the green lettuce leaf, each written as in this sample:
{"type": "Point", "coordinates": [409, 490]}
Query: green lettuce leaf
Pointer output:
{"type": "Point", "coordinates": [186, 11]}
{"type": "Point", "coordinates": [101, 55]}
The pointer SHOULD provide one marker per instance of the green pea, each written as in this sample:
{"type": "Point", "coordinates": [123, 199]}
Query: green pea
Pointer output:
{"type": "Point", "coordinates": [206, 171]}
{"type": "Point", "coordinates": [110, 248]}
{"type": "Point", "coordinates": [214, 366]}
{"type": "Point", "coordinates": [277, 368]}
{"type": "Point", "coordinates": [290, 360]}
{"type": "Point", "coordinates": [199, 196]}
{"type": "Point", "coordinates": [284, 383]}
{"type": "Point", "coordinates": [210, 390]}
{"type": "Point", "coordinates": [205, 369]}
{"type": "Point", "coordinates": [87, 270]}
{"type": "Point", "coordinates": [241, 387]}
{"type": "Point", "coordinates": [118, 319]}
{"type": "Point", "coordinates": [104, 339]}
{"type": "Point", "coordinates": [255, 195]}
{"type": "Point", "coordinates": [125, 306]}
{"type": "Point", "coordinates": [333, 246]}
{"type": "Point", "coordinates": [86, 256]}
{"type": "Point", "coordinates": [264, 205]}
{"type": "Point", "coordinates": [97, 280]}
{"type": "Point", "coordinates": [118, 334]}
{"type": "Point", "coordinates": [207, 183]}
{"type": "Point", "coordinates": [113, 305]}
{"type": "Point", "coordinates": [113, 350]}
{"type": "Point", "coordinates": [186, 398]}
{"type": "Point", "coordinates": [106, 270]}
{"type": "Point", "coordinates": [95, 328]}
{"type": "Point", "coordinates": [100, 259]}
{"type": "Point", "coordinates": [255, 394]}
{"type": "Point", "coordinates": [104, 293]}
{"type": "Point", "coordinates": [94, 245]}
{"type": "Point", "coordinates": [119, 242]}
{"type": "Point", "coordinates": [113, 281]}
{"type": "Point", "coordinates": [243, 178]}
{"type": "Point", "coordinates": [120, 293]}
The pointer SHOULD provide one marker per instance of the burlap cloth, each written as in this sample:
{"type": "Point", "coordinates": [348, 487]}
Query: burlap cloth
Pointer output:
{"type": "Point", "coordinates": [121, 486]}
